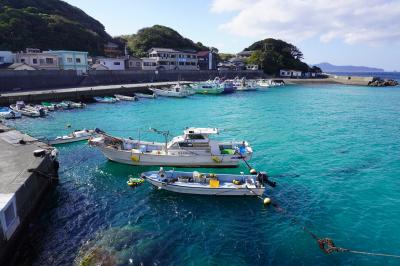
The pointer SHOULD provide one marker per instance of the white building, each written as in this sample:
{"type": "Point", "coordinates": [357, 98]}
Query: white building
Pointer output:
{"type": "Point", "coordinates": [6, 57]}
{"type": "Point", "coordinates": [112, 63]}
{"type": "Point", "coordinates": [290, 73]}
{"type": "Point", "coordinates": [170, 59]}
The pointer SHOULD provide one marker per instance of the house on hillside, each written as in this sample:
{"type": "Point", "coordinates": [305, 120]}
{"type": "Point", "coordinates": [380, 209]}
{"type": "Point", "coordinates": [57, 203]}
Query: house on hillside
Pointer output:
{"type": "Point", "coordinates": [170, 59]}
{"type": "Point", "coordinates": [239, 63]}
{"type": "Point", "coordinates": [38, 60]}
{"type": "Point", "coordinates": [285, 73]}
{"type": "Point", "coordinates": [207, 60]}
{"type": "Point", "coordinates": [112, 49]}
{"type": "Point", "coordinates": [244, 54]}
{"type": "Point", "coordinates": [6, 57]}
{"type": "Point", "coordinates": [71, 60]}
{"type": "Point", "coordinates": [133, 63]}
{"type": "Point", "coordinates": [112, 63]}
{"type": "Point", "coordinates": [251, 67]}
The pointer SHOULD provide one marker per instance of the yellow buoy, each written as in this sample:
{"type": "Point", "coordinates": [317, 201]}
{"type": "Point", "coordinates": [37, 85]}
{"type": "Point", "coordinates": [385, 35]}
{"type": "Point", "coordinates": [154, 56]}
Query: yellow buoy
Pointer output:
{"type": "Point", "coordinates": [253, 171]}
{"type": "Point", "coordinates": [267, 201]}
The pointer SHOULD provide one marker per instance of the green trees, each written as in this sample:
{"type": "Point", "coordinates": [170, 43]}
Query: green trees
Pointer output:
{"type": "Point", "coordinates": [273, 55]}
{"type": "Point", "coordinates": [49, 24]}
{"type": "Point", "coordinates": [159, 36]}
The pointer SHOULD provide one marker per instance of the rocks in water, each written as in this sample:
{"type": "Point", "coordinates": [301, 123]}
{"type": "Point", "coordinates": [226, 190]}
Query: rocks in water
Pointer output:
{"type": "Point", "coordinates": [378, 82]}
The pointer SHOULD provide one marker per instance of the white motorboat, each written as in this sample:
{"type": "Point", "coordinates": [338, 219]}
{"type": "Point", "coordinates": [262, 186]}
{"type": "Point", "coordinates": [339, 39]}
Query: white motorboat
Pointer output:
{"type": "Point", "coordinates": [144, 95]}
{"type": "Point", "coordinates": [243, 85]}
{"type": "Point", "coordinates": [8, 113]}
{"type": "Point", "coordinates": [106, 99]}
{"type": "Point", "coordinates": [174, 91]}
{"type": "Point", "coordinates": [25, 110]}
{"type": "Point", "coordinates": [266, 83]}
{"type": "Point", "coordinates": [125, 98]}
{"type": "Point", "coordinates": [208, 183]}
{"type": "Point", "coordinates": [72, 104]}
{"type": "Point", "coordinates": [77, 135]}
{"type": "Point", "coordinates": [192, 149]}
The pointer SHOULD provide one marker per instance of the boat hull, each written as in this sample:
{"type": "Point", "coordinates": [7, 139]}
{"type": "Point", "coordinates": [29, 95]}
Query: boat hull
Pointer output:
{"type": "Point", "coordinates": [207, 190]}
{"type": "Point", "coordinates": [64, 141]}
{"type": "Point", "coordinates": [125, 157]}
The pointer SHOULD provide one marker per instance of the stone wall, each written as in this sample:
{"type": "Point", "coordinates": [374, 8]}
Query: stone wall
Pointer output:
{"type": "Point", "coordinates": [11, 80]}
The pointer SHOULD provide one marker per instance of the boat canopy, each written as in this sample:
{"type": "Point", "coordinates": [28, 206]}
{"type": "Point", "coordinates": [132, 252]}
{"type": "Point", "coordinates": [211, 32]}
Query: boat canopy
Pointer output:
{"type": "Point", "coordinates": [200, 130]}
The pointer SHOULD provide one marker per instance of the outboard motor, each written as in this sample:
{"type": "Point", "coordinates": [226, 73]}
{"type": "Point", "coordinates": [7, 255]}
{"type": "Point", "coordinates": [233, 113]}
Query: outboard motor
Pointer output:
{"type": "Point", "coordinates": [262, 177]}
{"type": "Point", "coordinates": [42, 112]}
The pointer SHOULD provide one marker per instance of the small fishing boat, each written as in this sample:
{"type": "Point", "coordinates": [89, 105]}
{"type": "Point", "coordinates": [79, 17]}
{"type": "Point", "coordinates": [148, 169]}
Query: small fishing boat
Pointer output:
{"type": "Point", "coordinates": [40, 108]}
{"type": "Point", "coordinates": [134, 181]}
{"type": "Point", "coordinates": [105, 99]}
{"type": "Point", "coordinates": [266, 83]}
{"type": "Point", "coordinates": [49, 106]}
{"type": "Point", "coordinates": [192, 149]}
{"type": "Point", "coordinates": [125, 98]}
{"type": "Point", "coordinates": [25, 110]}
{"type": "Point", "coordinates": [72, 104]}
{"type": "Point", "coordinates": [77, 135]}
{"type": "Point", "coordinates": [178, 91]}
{"type": "Point", "coordinates": [144, 95]}
{"type": "Point", "coordinates": [8, 113]}
{"type": "Point", "coordinates": [208, 183]}
{"type": "Point", "coordinates": [243, 85]}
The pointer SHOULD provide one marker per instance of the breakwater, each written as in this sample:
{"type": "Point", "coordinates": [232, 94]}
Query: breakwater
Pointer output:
{"type": "Point", "coordinates": [48, 80]}
{"type": "Point", "coordinates": [24, 179]}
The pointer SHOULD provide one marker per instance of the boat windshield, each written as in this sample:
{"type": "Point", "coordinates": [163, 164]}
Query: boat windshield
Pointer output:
{"type": "Point", "coordinates": [195, 136]}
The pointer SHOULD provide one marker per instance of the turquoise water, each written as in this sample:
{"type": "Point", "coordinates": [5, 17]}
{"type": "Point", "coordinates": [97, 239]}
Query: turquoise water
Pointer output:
{"type": "Point", "coordinates": [333, 150]}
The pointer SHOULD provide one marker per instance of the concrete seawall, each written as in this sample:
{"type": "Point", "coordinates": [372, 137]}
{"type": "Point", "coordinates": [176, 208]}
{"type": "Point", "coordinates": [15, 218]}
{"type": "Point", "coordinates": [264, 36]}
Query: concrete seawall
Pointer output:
{"type": "Point", "coordinates": [345, 80]}
{"type": "Point", "coordinates": [24, 179]}
{"type": "Point", "coordinates": [47, 80]}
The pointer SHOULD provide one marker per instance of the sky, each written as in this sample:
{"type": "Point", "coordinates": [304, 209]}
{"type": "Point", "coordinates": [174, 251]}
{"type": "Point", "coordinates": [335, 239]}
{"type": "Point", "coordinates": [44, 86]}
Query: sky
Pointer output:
{"type": "Point", "coordinates": [341, 32]}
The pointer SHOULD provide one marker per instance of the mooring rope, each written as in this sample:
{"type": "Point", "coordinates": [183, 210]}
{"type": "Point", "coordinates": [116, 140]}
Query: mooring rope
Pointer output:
{"type": "Point", "coordinates": [325, 244]}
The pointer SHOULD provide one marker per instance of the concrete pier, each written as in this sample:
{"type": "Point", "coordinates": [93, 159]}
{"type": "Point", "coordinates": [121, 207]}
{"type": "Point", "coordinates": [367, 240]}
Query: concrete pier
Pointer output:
{"type": "Point", "coordinates": [79, 93]}
{"type": "Point", "coordinates": [332, 79]}
{"type": "Point", "coordinates": [24, 178]}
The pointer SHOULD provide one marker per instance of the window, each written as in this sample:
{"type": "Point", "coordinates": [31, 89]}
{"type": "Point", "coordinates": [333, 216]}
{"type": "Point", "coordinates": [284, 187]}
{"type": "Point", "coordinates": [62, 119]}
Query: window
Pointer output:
{"type": "Point", "coordinates": [69, 59]}
{"type": "Point", "coordinates": [78, 60]}
{"type": "Point", "coordinates": [1, 59]}
{"type": "Point", "coordinates": [130, 63]}
{"type": "Point", "coordinates": [49, 60]}
{"type": "Point", "coordinates": [22, 60]}
{"type": "Point", "coordinates": [117, 63]}
{"type": "Point", "coordinates": [34, 61]}
{"type": "Point", "coordinates": [181, 63]}
{"type": "Point", "coordinates": [172, 56]}
{"type": "Point", "coordinates": [172, 63]}
{"type": "Point", "coordinates": [195, 136]}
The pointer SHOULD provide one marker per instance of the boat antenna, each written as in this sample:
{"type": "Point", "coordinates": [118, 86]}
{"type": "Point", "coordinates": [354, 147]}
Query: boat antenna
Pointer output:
{"type": "Point", "coordinates": [165, 133]}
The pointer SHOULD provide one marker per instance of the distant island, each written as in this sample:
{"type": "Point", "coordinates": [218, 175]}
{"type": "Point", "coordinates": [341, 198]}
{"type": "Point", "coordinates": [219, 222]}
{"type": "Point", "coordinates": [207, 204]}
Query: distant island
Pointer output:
{"type": "Point", "coordinates": [327, 67]}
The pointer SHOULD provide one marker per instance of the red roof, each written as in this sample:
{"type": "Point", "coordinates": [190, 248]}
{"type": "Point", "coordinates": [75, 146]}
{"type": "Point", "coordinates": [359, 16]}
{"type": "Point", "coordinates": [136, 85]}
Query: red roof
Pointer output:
{"type": "Point", "coordinates": [203, 53]}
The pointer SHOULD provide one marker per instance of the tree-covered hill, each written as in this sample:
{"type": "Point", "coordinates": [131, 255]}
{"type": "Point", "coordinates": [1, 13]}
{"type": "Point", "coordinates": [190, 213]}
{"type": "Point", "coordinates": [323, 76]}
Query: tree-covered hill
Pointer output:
{"type": "Point", "coordinates": [49, 24]}
{"type": "Point", "coordinates": [273, 55]}
{"type": "Point", "coordinates": [159, 36]}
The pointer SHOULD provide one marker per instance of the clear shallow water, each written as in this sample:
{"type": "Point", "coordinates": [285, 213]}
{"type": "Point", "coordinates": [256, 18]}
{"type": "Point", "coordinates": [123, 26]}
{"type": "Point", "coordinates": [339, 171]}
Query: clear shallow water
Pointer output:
{"type": "Point", "coordinates": [334, 151]}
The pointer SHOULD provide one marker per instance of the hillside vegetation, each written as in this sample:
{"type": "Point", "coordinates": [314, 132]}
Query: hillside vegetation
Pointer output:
{"type": "Point", "coordinates": [49, 24]}
{"type": "Point", "coordinates": [273, 55]}
{"type": "Point", "coordinates": [159, 36]}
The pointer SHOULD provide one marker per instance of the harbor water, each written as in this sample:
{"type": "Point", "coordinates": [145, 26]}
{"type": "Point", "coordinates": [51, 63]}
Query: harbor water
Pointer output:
{"type": "Point", "coordinates": [333, 150]}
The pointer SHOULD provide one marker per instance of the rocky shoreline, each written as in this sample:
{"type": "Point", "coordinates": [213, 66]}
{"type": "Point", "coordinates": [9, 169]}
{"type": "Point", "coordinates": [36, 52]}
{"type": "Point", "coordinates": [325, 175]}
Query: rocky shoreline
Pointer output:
{"type": "Point", "coordinates": [378, 82]}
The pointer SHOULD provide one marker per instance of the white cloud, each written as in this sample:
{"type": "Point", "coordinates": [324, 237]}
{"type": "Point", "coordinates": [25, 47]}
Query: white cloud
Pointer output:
{"type": "Point", "coordinates": [353, 21]}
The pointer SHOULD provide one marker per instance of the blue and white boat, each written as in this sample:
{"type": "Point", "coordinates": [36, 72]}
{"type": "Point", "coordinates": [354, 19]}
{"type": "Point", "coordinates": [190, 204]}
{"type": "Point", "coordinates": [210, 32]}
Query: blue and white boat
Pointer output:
{"type": "Point", "coordinates": [208, 183]}
{"type": "Point", "coordinates": [8, 113]}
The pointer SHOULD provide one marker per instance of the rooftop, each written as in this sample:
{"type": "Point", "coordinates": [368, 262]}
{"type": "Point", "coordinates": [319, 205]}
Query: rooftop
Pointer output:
{"type": "Point", "coordinates": [200, 130]}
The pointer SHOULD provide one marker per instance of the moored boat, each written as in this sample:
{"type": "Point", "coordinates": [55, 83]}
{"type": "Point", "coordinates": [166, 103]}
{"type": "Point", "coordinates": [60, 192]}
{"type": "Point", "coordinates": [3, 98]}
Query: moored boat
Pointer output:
{"type": "Point", "coordinates": [77, 135]}
{"type": "Point", "coordinates": [49, 106]}
{"type": "Point", "coordinates": [208, 183]}
{"type": "Point", "coordinates": [243, 85]}
{"type": "Point", "coordinates": [105, 99]}
{"type": "Point", "coordinates": [178, 91]}
{"type": "Point", "coordinates": [125, 98]}
{"type": "Point", "coordinates": [192, 149]}
{"type": "Point", "coordinates": [8, 113]}
{"type": "Point", "coordinates": [72, 104]}
{"type": "Point", "coordinates": [144, 95]}
{"type": "Point", "coordinates": [25, 110]}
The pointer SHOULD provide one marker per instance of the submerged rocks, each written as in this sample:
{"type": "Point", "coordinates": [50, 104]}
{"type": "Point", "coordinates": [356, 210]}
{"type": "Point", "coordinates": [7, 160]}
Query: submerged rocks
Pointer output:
{"type": "Point", "coordinates": [378, 82]}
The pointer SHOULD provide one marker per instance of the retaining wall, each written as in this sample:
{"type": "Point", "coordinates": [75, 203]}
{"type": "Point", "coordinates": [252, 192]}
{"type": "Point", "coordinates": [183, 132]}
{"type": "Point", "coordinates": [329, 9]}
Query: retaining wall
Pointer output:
{"type": "Point", "coordinates": [24, 80]}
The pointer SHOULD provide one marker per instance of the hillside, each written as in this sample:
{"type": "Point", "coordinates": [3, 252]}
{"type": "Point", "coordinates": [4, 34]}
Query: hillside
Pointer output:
{"type": "Point", "coordinates": [159, 36]}
{"type": "Point", "coordinates": [327, 67]}
{"type": "Point", "coordinates": [273, 55]}
{"type": "Point", "coordinates": [49, 24]}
